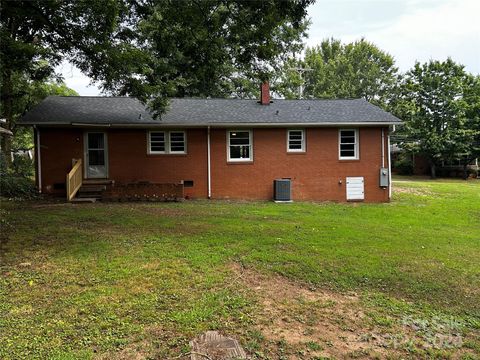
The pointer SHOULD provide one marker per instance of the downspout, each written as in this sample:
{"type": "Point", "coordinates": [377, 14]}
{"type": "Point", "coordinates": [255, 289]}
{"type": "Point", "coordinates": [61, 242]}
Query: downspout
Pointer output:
{"type": "Point", "coordinates": [209, 173]}
{"type": "Point", "coordinates": [383, 148]}
{"type": "Point", "coordinates": [39, 160]}
{"type": "Point", "coordinates": [389, 166]}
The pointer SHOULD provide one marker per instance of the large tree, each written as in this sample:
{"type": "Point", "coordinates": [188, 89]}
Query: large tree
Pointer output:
{"type": "Point", "coordinates": [203, 48]}
{"type": "Point", "coordinates": [36, 35]}
{"type": "Point", "coordinates": [336, 70]}
{"type": "Point", "coordinates": [151, 49]}
{"type": "Point", "coordinates": [433, 102]}
{"type": "Point", "coordinates": [468, 143]}
{"type": "Point", "coordinates": [32, 93]}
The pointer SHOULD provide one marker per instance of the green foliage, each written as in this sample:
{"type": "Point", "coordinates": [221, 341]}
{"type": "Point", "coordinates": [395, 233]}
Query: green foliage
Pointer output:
{"type": "Point", "coordinates": [151, 50]}
{"type": "Point", "coordinates": [355, 70]}
{"type": "Point", "coordinates": [27, 94]}
{"type": "Point", "coordinates": [435, 103]}
{"type": "Point", "coordinates": [36, 35]}
{"type": "Point", "coordinates": [469, 144]}
{"type": "Point", "coordinates": [17, 187]}
{"type": "Point", "coordinates": [404, 164]}
{"type": "Point", "coordinates": [212, 48]}
{"type": "Point", "coordinates": [16, 182]}
{"type": "Point", "coordinates": [23, 166]}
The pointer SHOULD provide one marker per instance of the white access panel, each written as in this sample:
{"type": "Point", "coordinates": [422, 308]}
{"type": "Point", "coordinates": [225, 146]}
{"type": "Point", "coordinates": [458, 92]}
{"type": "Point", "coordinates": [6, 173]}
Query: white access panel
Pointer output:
{"type": "Point", "coordinates": [355, 188]}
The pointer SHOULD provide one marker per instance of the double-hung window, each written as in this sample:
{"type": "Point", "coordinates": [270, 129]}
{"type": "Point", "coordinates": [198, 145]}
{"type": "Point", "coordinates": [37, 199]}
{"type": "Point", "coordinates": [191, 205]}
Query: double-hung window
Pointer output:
{"type": "Point", "coordinates": [167, 142]}
{"type": "Point", "coordinates": [239, 145]}
{"type": "Point", "coordinates": [296, 140]}
{"type": "Point", "coordinates": [156, 142]}
{"type": "Point", "coordinates": [177, 142]}
{"type": "Point", "coordinates": [348, 144]}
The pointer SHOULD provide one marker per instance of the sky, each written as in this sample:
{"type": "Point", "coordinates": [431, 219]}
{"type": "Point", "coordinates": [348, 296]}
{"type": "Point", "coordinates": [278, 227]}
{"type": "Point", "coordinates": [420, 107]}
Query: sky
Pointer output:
{"type": "Point", "coordinates": [409, 30]}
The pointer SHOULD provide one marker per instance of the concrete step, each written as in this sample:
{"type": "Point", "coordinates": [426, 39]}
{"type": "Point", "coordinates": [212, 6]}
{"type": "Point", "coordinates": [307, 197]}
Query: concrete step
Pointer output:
{"type": "Point", "coordinates": [92, 188]}
{"type": "Point", "coordinates": [89, 195]}
{"type": "Point", "coordinates": [83, 200]}
{"type": "Point", "coordinates": [98, 182]}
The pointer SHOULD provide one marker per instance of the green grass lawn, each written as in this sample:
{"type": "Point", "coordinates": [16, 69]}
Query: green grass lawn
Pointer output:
{"type": "Point", "coordinates": [139, 280]}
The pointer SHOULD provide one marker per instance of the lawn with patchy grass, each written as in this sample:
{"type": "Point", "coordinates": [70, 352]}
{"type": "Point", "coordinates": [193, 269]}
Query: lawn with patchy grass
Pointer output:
{"type": "Point", "coordinates": [301, 280]}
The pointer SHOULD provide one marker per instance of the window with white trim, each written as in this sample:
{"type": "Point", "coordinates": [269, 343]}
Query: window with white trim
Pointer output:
{"type": "Point", "coordinates": [239, 145]}
{"type": "Point", "coordinates": [348, 144]}
{"type": "Point", "coordinates": [166, 142]}
{"type": "Point", "coordinates": [157, 142]}
{"type": "Point", "coordinates": [296, 140]}
{"type": "Point", "coordinates": [177, 142]}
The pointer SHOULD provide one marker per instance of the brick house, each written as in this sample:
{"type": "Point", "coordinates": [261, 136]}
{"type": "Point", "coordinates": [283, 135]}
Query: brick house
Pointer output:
{"type": "Point", "coordinates": [215, 148]}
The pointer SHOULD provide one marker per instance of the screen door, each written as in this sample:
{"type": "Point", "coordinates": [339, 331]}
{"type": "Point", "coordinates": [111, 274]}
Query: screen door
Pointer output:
{"type": "Point", "coordinates": [96, 155]}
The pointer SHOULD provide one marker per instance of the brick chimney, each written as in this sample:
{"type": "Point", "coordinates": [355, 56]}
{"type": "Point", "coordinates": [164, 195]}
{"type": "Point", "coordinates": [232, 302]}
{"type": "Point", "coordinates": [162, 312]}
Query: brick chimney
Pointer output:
{"type": "Point", "coordinates": [265, 93]}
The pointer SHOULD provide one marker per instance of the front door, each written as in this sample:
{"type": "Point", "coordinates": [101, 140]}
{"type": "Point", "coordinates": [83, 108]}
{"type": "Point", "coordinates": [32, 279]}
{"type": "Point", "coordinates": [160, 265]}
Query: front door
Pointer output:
{"type": "Point", "coordinates": [96, 155]}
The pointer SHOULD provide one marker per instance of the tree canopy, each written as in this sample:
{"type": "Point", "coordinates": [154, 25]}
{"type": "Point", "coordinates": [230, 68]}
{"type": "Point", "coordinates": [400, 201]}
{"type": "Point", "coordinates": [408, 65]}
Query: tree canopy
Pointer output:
{"type": "Point", "coordinates": [201, 48]}
{"type": "Point", "coordinates": [36, 35]}
{"type": "Point", "coordinates": [336, 70]}
{"type": "Point", "coordinates": [439, 105]}
{"type": "Point", "coordinates": [150, 49]}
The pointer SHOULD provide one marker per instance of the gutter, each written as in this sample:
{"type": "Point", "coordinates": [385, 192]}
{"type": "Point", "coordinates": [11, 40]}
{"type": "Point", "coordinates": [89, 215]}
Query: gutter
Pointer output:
{"type": "Point", "coordinates": [39, 160]}
{"type": "Point", "coordinates": [389, 165]}
{"type": "Point", "coordinates": [159, 124]}
{"type": "Point", "coordinates": [91, 124]}
{"type": "Point", "coordinates": [383, 148]}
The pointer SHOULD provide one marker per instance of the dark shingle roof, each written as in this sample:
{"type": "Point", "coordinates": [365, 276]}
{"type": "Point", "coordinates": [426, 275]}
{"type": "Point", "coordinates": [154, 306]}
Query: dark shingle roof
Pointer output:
{"type": "Point", "coordinates": [201, 112]}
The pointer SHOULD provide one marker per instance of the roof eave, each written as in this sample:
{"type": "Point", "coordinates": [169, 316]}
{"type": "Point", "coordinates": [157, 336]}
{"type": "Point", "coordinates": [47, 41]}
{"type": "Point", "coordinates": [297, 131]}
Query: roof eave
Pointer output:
{"type": "Point", "coordinates": [213, 125]}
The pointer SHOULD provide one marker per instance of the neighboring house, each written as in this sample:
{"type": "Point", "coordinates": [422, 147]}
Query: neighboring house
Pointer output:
{"type": "Point", "coordinates": [218, 148]}
{"type": "Point", "coordinates": [420, 165]}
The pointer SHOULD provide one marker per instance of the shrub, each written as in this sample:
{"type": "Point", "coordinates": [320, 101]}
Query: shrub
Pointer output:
{"type": "Point", "coordinates": [404, 164]}
{"type": "Point", "coordinates": [23, 166]}
{"type": "Point", "coordinates": [15, 185]}
{"type": "Point", "coordinates": [473, 173]}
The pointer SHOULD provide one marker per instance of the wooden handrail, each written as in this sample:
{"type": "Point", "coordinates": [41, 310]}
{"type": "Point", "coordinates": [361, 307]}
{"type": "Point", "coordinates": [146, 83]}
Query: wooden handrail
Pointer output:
{"type": "Point", "coordinates": [74, 179]}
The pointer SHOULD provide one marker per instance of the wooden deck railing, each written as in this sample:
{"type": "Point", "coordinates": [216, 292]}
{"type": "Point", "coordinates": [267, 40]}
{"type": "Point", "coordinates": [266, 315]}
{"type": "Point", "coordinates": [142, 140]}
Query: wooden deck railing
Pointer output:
{"type": "Point", "coordinates": [74, 179]}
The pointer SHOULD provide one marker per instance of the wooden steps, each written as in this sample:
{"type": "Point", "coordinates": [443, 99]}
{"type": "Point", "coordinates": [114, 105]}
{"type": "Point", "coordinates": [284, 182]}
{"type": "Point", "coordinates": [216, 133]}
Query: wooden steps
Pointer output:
{"type": "Point", "coordinates": [91, 191]}
{"type": "Point", "coordinates": [98, 182]}
{"type": "Point", "coordinates": [85, 188]}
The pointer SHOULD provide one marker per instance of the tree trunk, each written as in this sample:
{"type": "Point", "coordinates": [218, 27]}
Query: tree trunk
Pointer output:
{"type": "Point", "coordinates": [6, 145]}
{"type": "Point", "coordinates": [465, 171]}
{"type": "Point", "coordinates": [433, 170]}
{"type": "Point", "coordinates": [7, 107]}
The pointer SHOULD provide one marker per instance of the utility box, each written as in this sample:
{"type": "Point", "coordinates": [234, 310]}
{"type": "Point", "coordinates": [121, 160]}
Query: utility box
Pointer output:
{"type": "Point", "coordinates": [384, 177]}
{"type": "Point", "coordinates": [282, 190]}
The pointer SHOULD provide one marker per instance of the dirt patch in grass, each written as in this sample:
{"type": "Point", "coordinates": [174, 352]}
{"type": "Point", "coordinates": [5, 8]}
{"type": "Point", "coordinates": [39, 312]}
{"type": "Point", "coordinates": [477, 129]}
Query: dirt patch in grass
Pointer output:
{"type": "Point", "coordinates": [319, 322]}
{"type": "Point", "coordinates": [302, 322]}
{"type": "Point", "coordinates": [412, 191]}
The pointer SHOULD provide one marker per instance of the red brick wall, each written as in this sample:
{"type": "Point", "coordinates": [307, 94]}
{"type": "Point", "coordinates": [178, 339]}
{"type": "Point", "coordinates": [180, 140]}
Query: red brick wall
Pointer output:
{"type": "Point", "coordinates": [129, 161]}
{"type": "Point", "coordinates": [315, 174]}
{"type": "Point", "coordinates": [57, 149]}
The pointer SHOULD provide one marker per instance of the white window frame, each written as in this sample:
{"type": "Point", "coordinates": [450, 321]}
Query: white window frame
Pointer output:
{"type": "Point", "coordinates": [355, 148]}
{"type": "Point", "coordinates": [302, 149]}
{"type": "Point", "coordinates": [166, 135]}
{"type": "Point", "coordinates": [170, 151]}
{"type": "Point", "coordinates": [250, 140]}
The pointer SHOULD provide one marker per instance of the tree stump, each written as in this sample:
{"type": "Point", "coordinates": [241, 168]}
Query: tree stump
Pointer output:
{"type": "Point", "coordinates": [214, 346]}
